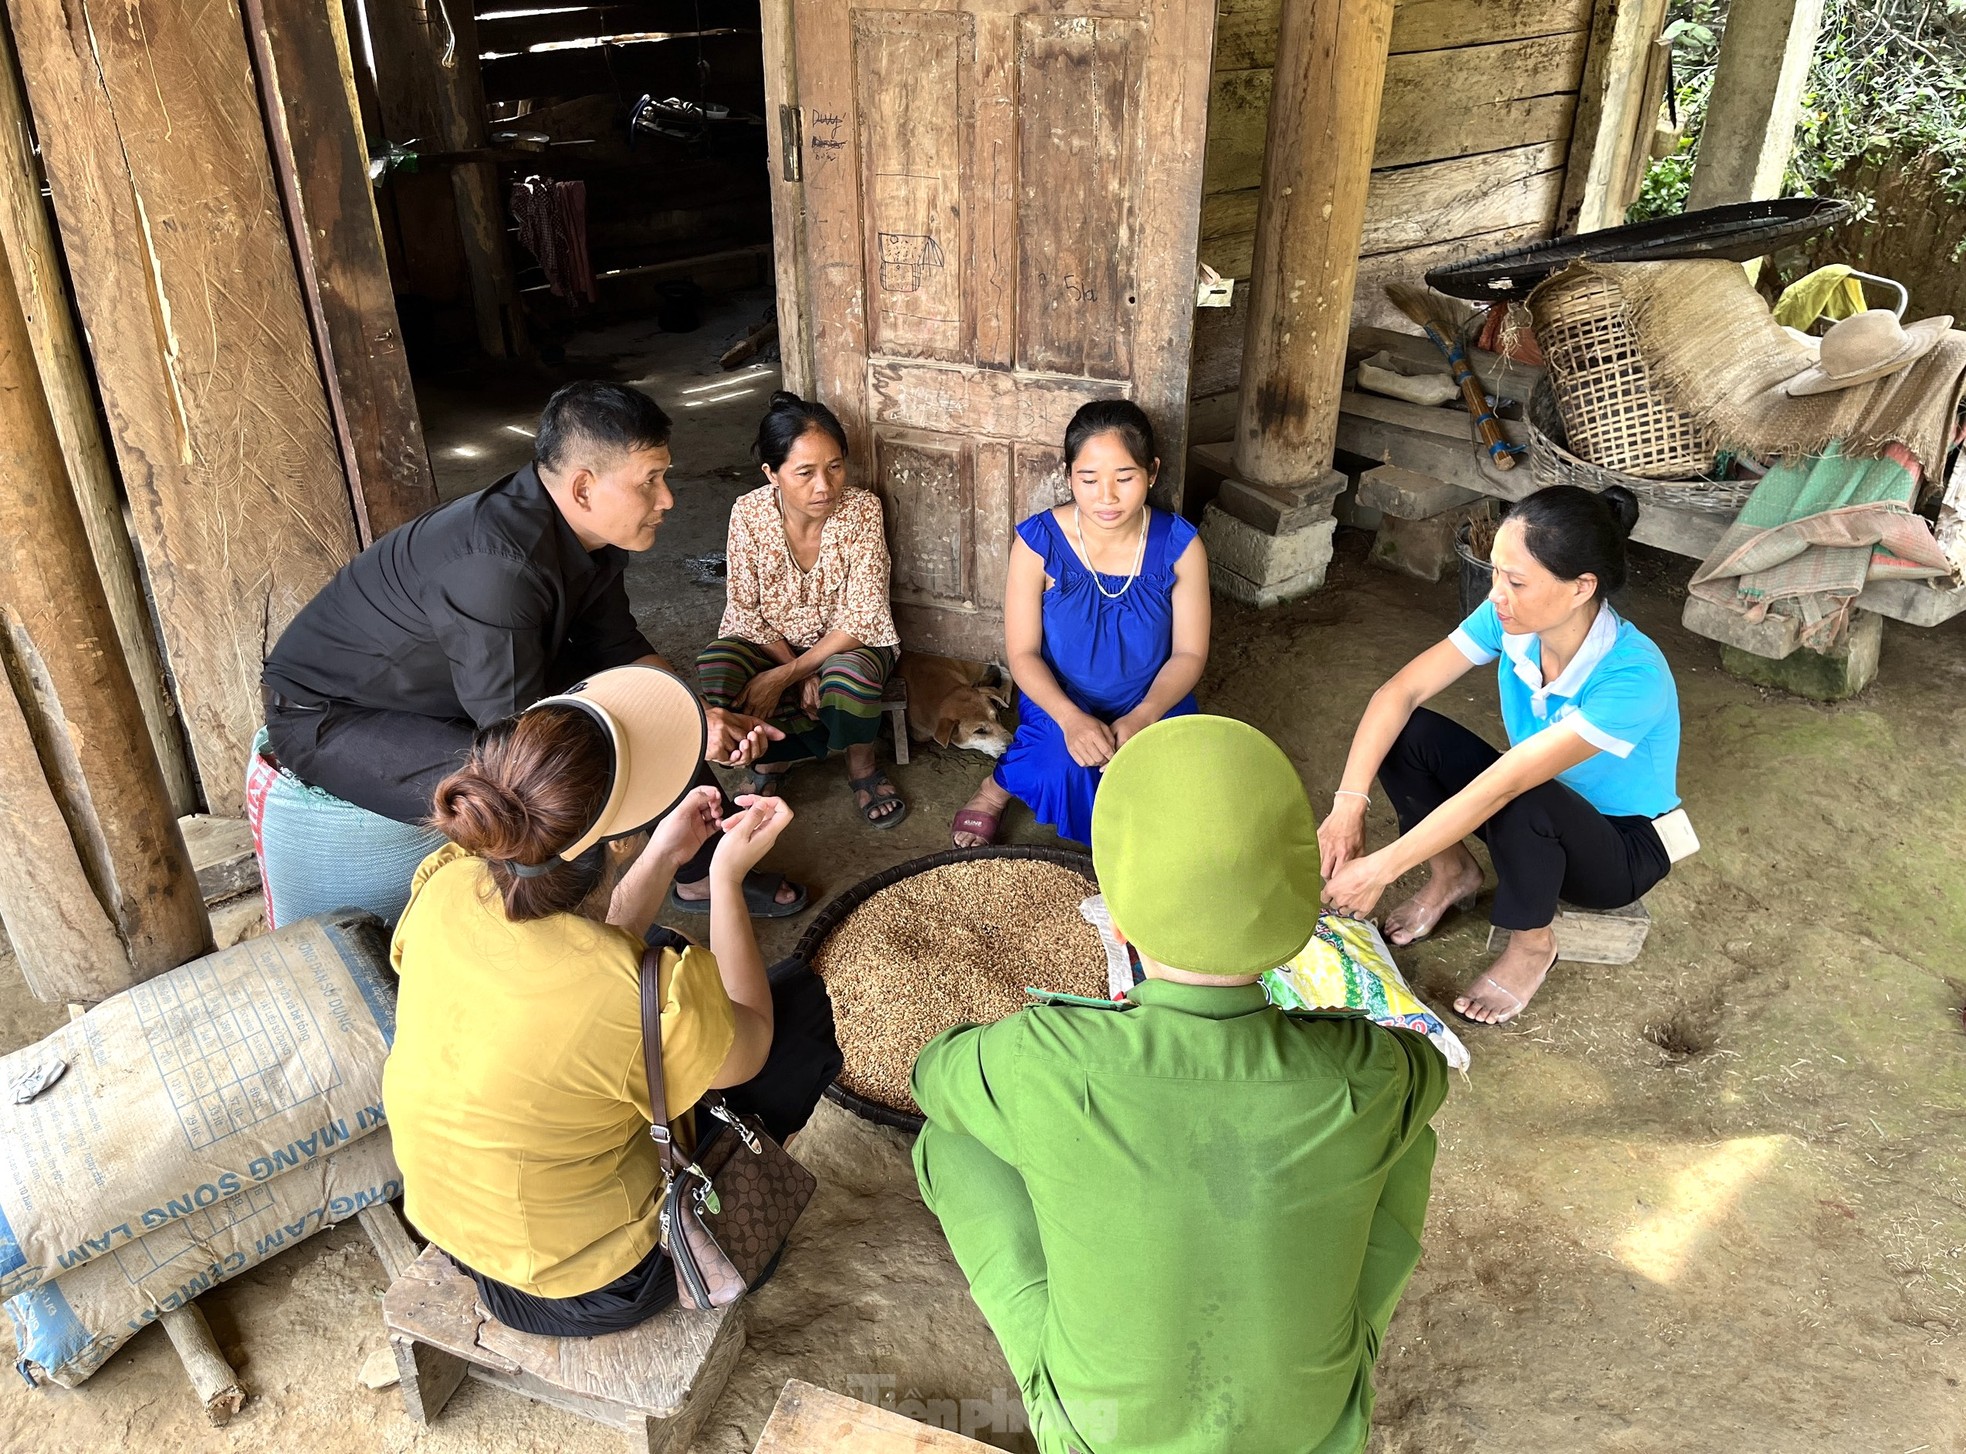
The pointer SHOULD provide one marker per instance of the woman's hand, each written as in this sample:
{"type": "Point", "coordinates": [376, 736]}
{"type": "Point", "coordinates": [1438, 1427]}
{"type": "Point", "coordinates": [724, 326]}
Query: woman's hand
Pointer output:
{"type": "Point", "coordinates": [748, 837]}
{"type": "Point", "coordinates": [688, 826]}
{"type": "Point", "coordinates": [809, 693]}
{"type": "Point", "coordinates": [735, 740]}
{"type": "Point", "coordinates": [761, 693]}
{"type": "Point", "coordinates": [1354, 890]}
{"type": "Point", "coordinates": [1131, 724]}
{"type": "Point", "coordinates": [1089, 740]}
{"type": "Point", "coordinates": [1341, 836]}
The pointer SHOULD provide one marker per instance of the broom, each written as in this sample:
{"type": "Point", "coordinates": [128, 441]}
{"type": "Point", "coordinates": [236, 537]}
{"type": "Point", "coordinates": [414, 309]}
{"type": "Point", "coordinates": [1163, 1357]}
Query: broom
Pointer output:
{"type": "Point", "coordinates": [1418, 304]}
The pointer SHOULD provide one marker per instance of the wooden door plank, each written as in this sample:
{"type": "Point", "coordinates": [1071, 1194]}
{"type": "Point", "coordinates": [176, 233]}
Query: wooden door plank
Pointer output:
{"type": "Point", "coordinates": [1246, 30]}
{"type": "Point", "coordinates": [313, 117]}
{"type": "Point", "coordinates": [786, 157]}
{"type": "Point", "coordinates": [156, 154]}
{"type": "Point", "coordinates": [1607, 117]}
{"type": "Point", "coordinates": [1415, 206]}
{"type": "Point", "coordinates": [28, 240]}
{"type": "Point", "coordinates": [808, 1419]}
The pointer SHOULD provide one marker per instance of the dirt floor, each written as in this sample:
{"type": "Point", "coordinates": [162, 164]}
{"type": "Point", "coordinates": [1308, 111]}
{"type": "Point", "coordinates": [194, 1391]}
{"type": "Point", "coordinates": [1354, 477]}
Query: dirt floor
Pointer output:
{"type": "Point", "coordinates": [1712, 1200]}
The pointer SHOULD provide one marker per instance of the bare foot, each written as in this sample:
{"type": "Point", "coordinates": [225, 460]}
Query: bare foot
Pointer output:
{"type": "Point", "coordinates": [989, 799]}
{"type": "Point", "coordinates": [1453, 879]}
{"type": "Point", "coordinates": [1512, 980]}
{"type": "Point", "coordinates": [696, 893]}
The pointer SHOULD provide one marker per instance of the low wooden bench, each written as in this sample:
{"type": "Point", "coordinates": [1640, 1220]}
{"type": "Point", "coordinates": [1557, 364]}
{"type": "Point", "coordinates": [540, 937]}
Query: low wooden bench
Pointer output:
{"type": "Point", "coordinates": [894, 703]}
{"type": "Point", "coordinates": [1592, 936]}
{"type": "Point", "coordinates": [654, 1382]}
{"type": "Point", "coordinates": [812, 1420]}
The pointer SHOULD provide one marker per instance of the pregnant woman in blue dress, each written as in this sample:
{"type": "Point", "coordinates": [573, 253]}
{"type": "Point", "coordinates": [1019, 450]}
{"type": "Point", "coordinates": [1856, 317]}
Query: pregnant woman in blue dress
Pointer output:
{"type": "Point", "coordinates": [1105, 626]}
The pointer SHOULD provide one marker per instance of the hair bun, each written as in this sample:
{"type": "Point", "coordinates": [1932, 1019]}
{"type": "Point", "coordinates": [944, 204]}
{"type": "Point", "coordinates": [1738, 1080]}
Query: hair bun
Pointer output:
{"type": "Point", "coordinates": [784, 399]}
{"type": "Point", "coordinates": [482, 816]}
{"type": "Point", "coordinates": [1622, 505]}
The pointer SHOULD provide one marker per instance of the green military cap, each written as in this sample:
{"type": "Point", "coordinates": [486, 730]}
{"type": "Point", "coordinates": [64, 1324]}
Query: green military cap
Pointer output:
{"type": "Point", "coordinates": [1206, 847]}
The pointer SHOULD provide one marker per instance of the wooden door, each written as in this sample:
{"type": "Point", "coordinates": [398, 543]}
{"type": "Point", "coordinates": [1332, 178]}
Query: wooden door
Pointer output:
{"type": "Point", "coordinates": [1001, 200]}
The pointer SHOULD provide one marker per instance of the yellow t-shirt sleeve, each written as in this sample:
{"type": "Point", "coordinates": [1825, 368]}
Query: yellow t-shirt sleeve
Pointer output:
{"type": "Point", "coordinates": [699, 1026]}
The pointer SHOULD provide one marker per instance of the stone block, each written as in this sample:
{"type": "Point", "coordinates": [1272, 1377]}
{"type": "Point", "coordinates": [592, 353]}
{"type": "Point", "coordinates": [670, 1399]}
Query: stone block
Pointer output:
{"type": "Point", "coordinates": [1821, 676]}
{"type": "Point", "coordinates": [1228, 583]}
{"type": "Point", "coordinates": [1410, 495]}
{"type": "Point", "coordinates": [1423, 548]}
{"type": "Point", "coordinates": [1279, 511]}
{"type": "Point", "coordinates": [1309, 549]}
{"type": "Point", "coordinates": [1592, 936]}
{"type": "Point", "coordinates": [1236, 545]}
{"type": "Point", "coordinates": [1772, 637]}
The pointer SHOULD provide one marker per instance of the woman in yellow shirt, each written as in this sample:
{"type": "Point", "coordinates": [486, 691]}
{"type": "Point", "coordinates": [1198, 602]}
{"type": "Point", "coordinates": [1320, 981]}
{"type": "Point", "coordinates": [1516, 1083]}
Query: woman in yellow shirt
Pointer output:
{"type": "Point", "coordinates": [516, 1089]}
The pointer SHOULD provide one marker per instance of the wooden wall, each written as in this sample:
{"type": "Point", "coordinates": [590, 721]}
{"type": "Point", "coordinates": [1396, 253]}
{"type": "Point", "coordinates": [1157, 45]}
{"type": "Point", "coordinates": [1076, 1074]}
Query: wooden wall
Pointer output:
{"type": "Point", "coordinates": [1474, 132]}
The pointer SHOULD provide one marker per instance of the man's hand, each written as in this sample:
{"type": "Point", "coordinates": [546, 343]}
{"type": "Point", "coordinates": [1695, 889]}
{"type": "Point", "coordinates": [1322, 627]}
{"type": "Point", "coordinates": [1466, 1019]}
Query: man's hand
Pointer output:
{"type": "Point", "coordinates": [748, 836]}
{"type": "Point", "coordinates": [736, 740]}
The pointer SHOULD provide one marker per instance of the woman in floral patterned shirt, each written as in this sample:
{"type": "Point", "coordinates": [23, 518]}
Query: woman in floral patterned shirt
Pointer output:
{"type": "Point", "coordinates": [807, 640]}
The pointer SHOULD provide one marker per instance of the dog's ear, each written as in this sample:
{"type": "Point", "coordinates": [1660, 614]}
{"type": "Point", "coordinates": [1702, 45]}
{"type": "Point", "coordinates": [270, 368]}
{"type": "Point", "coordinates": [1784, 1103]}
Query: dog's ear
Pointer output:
{"type": "Point", "coordinates": [944, 730]}
{"type": "Point", "coordinates": [998, 693]}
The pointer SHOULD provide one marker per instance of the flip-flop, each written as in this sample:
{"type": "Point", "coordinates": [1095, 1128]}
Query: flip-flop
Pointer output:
{"type": "Point", "coordinates": [1427, 927]}
{"type": "Point", "coordinates": [1520, 1004]}
{"type": "Point", "coordinates": [869, 785]}
{"type": "Point", "coordinates": [760, 897]}
{"type": "Point", "coordinates": [975, 820]}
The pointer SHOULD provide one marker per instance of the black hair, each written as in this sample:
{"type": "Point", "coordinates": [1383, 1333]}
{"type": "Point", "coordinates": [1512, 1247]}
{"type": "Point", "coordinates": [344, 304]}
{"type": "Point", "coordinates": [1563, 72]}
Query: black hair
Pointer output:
{"type": "Point", "coordinates": [613, 416]}
{"type": "Point", "coordinates": [1573, 532]}
{"type": "Point", "coordinates": [1112, 416]}
{"type": "Point", "coordinates": [788, 419]}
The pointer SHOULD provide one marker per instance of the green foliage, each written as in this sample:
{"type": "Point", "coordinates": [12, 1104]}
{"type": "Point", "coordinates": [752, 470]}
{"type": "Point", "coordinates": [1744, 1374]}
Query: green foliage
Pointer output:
{"type": "Point", "coordinates": [1888, 78]}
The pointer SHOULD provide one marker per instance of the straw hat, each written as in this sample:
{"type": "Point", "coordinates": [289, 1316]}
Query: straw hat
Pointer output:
{"type": "Point", "coordinates": [1867, 346]}
{"type": "Point", "coordinates": [658, 732]}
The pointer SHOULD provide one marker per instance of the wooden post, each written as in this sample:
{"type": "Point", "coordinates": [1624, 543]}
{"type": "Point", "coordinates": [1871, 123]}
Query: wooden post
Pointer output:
{"type": "Point", "coordinates": [313, 116]}
{"type": "Point", "coordinates": [1756, 102]}
{"type": "Point", "coordinates": [27, 238]}
{"type": "Point", "coordinates": [784, 136]}
{"type": "Point", "coordinates": [157, 157]}
{"type": "Point", "coordinates": [72, 735]}
{"type": "Point", "coordinates": [1616, 110]}
{"type": "Point", "coordinates": [1324, 114]}
{"type": "Point", "coordinates": [426, 54]}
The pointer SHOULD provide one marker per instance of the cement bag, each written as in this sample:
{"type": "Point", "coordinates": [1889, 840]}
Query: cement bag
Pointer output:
{"type": "Point", "coordinates": [190, 1088]}
{"type": "Point", "coordinates": [68, 1328]}
{"type": "Point", "coordinates": [318, 853]}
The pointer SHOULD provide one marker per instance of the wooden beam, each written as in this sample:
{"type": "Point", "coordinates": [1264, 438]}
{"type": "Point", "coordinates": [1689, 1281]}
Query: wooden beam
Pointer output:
{"type": "Point", "coordinates": [1612, 119]}
{"type": "Point", "coordinates": [1331, 67]}
{"type": "Point", "coordinates": [1749, 133]}
{"type": "Point", "coordinates": [27, 238]}
{"type": "Point", "coordinates": [74, 732]}
{"type": "Point", "coordinates": [182, 269]}
{"type": "Point", "coordinates": [783, 132]}
{"type": "Point", "coordinates": [313, 117]}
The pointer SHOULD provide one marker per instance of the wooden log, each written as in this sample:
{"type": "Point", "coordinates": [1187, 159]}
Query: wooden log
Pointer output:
{"type": "Point", "coordinates": [313, 117]}
{"type": "Point", "coordinates": [156, 153]}
{"type": "Point", "coordinates": [1331, 63]}
{"type": "Point", "coordinates": [1749, 132]}
{"type": "Point", "coordinates": [212, 1379]}
{"type": "Point", "coordinates": [1611, 113]}
{"type": "Point", "coordinates": [27, 236]}
{"type": "Point", "coordinates": [75, 731]}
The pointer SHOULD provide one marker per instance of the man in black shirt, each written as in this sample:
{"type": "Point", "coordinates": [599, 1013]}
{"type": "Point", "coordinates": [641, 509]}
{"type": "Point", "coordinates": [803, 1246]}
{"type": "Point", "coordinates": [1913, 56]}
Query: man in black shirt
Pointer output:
{"type": "Point", "coordinates": [475, 611]}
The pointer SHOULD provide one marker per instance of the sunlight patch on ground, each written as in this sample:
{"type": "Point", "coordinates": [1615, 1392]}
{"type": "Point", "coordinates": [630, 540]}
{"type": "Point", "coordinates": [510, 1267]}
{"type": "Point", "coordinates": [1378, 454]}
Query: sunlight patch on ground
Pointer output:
{"type": "Point", "coordinates": [1697, 1199]}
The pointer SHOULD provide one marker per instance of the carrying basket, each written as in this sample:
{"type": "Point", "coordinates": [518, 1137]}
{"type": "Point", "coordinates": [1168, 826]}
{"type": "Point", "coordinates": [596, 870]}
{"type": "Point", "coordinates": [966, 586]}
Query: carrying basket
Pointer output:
{"type": "Point", "coordinates": [1612, 414]}
{"type": "Point", "coordinates": [1552, 463]}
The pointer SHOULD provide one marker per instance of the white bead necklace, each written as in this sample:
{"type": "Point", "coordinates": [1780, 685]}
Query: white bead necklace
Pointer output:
{"type": "Point", "coordinates": [1139, 559]}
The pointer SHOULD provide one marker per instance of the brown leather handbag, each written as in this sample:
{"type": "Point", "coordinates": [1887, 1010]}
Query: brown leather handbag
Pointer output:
{"type": "Point", "coordinates": [726, 1215]}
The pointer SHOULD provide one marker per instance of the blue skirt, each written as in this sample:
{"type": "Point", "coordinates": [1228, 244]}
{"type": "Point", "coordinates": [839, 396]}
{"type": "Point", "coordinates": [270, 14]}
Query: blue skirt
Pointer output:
{"type": "Point", "coordinates": [1038, 770]}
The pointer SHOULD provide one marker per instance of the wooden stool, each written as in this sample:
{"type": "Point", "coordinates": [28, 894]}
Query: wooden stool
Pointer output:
{"type": "Point", "coordinates": [894, 703]}
{"type": "Point", "coordinates": [811, 1420]}
{"type": "Point", "coordinates": [1592, 936]}
{"type": "Point", "coordinates": [655, 1382]}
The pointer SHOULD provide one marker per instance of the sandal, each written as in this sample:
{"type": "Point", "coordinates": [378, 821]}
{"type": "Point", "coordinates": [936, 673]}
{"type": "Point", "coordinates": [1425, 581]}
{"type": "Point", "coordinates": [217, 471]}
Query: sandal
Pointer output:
{"type": "Point", "coordinates": [1519, 1003]}
{"type": "Point", "coordinates": [1426, 925]}
{"type": "Point", "coordinates": [975, 820]}
{"type": "Point", "coordinates": [761, 784]}
{"type": "Point", "coordinates": [871, 785]}
{"type": "Point", "coordinates": [760, 897]}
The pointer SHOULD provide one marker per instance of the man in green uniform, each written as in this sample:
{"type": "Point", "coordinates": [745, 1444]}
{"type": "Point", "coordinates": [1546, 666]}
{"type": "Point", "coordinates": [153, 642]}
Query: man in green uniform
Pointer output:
{"type": "Point", "coordinates": [1188, 1217]}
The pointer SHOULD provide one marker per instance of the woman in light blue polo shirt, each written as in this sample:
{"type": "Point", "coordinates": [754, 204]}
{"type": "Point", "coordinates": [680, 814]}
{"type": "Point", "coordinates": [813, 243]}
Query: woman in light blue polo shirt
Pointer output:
{"type": "Point", "coordinates": [1568, 811]}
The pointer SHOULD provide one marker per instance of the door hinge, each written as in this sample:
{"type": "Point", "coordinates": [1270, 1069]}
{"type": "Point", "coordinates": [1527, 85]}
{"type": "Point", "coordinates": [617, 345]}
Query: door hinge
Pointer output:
{"type": "Point", "coordinates": [791, 142]}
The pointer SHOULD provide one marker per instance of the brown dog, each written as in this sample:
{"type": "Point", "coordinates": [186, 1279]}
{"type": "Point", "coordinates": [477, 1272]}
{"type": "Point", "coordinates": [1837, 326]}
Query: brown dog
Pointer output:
{"type": "Point", "coordinates": [955, 703]}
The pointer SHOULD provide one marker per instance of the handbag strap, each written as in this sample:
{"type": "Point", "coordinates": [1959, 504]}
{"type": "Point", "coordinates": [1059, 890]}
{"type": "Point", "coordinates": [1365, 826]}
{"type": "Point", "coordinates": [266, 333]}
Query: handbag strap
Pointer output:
{"type": "Point", "coordinates": [661, 1129]}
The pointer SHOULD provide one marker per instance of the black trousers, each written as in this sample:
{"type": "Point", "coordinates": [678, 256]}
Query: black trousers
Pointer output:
{"type": "Point", "coordinates": [391, 762]}
{"type": "Point", "coordinates": [1546, 845]}
{"type": "Point", "coordinates": [803, 1061]}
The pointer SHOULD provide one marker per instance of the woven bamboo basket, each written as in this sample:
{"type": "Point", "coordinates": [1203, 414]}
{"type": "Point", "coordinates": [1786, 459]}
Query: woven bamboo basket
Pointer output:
{"type": "Point", "coordinates": [1612, 414]}
{"type": "Point", "coordinates": [1552, 463]}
